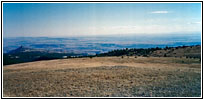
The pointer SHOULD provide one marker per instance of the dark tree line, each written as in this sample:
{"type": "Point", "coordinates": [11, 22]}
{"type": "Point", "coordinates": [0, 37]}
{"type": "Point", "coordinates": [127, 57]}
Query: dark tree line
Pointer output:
{"type": "Point", "coordinates": [130, 52]}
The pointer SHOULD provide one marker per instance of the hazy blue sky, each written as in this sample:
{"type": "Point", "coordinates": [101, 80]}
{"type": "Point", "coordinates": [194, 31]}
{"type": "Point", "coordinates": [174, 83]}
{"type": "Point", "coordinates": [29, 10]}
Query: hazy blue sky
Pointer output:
{"type": "Point", "coordinates": [78, 19]}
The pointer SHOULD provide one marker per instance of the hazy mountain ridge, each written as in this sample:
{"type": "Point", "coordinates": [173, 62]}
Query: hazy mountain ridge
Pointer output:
{"type": "Point", "coordinates": [23, 49]}
{"type": "Point", "coordinates": [25, 54]}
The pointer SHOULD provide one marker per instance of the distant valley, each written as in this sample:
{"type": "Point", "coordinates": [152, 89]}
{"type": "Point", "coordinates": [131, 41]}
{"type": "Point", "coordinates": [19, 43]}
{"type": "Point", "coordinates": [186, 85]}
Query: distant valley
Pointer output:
{"type": "Point", "coordinates": [100, 44]}
{"type": "Point", "coordinates": [27, 49]}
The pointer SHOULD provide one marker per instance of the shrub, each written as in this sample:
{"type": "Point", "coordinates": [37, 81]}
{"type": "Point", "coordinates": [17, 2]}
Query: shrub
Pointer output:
{"type": "Point", "coordinates": [165, 55]}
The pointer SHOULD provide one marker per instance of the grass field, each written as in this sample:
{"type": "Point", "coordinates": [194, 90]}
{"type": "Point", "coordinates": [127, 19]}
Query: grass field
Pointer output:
{"type": "Point", "coordinates": [104, 77]}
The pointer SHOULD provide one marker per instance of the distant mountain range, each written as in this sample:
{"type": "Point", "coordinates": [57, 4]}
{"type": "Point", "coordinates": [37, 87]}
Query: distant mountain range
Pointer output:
{"type": "Point", "coordinates": [25, 54]}
{"type": "Point", "coordinates": [23, 49]}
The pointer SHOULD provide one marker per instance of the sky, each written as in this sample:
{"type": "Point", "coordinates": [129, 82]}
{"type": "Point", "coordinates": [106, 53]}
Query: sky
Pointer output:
{"type": "Point", "coordinates": [84, 19]}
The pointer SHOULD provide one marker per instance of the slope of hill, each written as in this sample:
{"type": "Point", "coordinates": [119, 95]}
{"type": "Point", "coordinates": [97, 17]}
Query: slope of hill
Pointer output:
{"type": "Point", "coordinates": [180, 51]}
{"type": "Point", "coordinates": [104, 77]}
{"type": "Point", "coordinates": [153, 72]}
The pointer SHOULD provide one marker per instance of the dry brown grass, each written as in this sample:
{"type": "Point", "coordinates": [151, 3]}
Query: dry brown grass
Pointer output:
{"type": "Point", "coordinates": [190, 51]}
{"type": "Point", "coordinates": [104, 76]}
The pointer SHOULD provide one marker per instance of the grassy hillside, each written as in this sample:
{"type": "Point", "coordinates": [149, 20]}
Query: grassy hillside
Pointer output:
{"type": "Point", "coordinates": [104, 77]}
{"type": "Point", "coordinates": [22, 54]}
{"type": "Point", "coordinates": [184, 51]}
{"type": "Point", "coordinates": [180, 51]}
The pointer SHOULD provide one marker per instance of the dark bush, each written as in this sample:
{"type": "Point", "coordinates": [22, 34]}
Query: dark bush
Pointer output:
{"type": "Point", "coordinates": [45, 58]}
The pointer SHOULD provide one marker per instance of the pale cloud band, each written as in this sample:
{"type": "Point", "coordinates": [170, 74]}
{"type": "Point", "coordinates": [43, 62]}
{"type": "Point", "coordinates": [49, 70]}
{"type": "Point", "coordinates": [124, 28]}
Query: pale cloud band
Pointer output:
{"type": "Point", "coordinates": [143, 29]}
{"type": "Point", "coordinates": [160, 12]}
{"type": "Point", "coordinates": [194, 23]}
